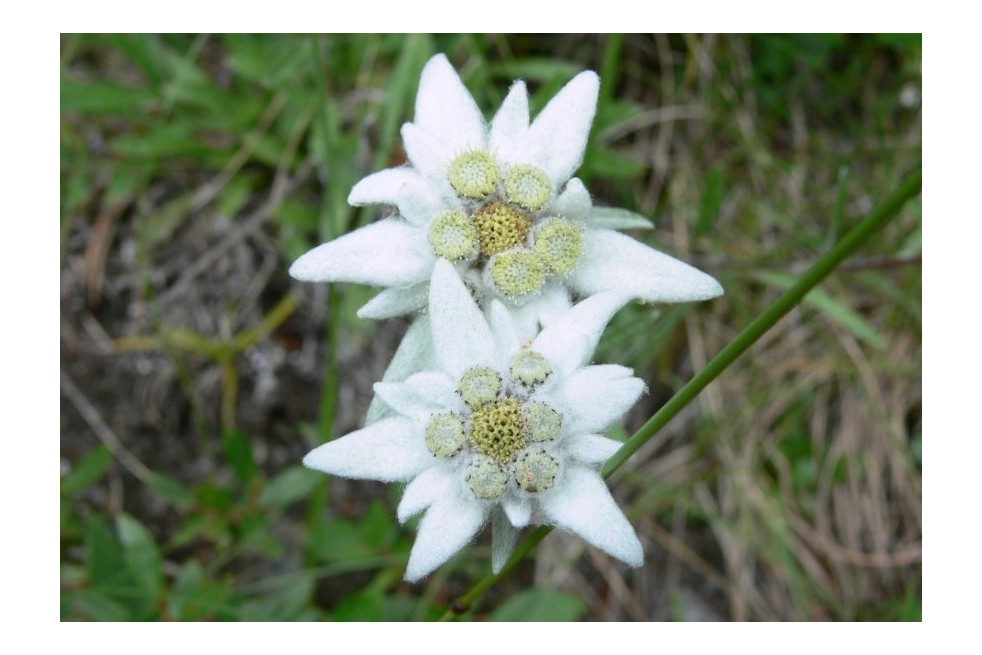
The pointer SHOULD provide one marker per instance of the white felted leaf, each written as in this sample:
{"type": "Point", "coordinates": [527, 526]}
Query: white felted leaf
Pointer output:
{"type": "Point", "coordinates": [558, 135]}
{"type": "Point", "coordinates": [436, 390]}
{"type": "Point", "coordinates": [428, 154]}
{"type": "Point", "coordinates": [461, 336]}
{"type": "Point", "coordinates": [503, 330]}
{"type": "Point", "coordinates": [551, 303]}
{"type": "Point", "coordinates": [400, 399]}
{"type": "Point", "coordinates": [594, 397]}
{"type": "Point", "coordinates": [592, 449]}
{"type": "Point", "coordinates": [445, 108]}
{"type": "Point", "coordinates": [518, 511]}
{"type": "Point", "coordinates": [385, 253]}
{"type": "Point", "coordinates": [581, 503]}
{"type": "Point", "coordinates": [568, 342]}
{"type": "Point", "coordinates": [614, 218]}
{"type": "Point", "coordinates": [390, 450]}
{"type": "Point", "coordinates": [415, 353]}
{"type": "Point", "coordinates": [508, 136]}
{"type": "Point", "coordinates": [448, 525]}
{"type": "Point", "coordinates": [574, 202]}
{"type": "Point", "coordinates": [614, 261]}
{"type": "Point", "coordinates": [423, 491]}
{"type": "Point", "coordinates": [503, 539]}
{"type": "Point", "coordinates": [396, 301]}
{"type": "Point", "coordinates": [402, 187]}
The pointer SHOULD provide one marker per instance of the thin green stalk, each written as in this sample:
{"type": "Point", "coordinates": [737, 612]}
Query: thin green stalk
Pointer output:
{"type": "Point", "coordinates": [908, 189]}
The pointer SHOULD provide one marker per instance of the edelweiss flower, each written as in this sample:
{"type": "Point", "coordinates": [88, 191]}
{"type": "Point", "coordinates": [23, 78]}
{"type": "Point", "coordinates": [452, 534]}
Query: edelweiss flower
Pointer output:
{"type": "Point", "coordinates": [500, 203]}
{"type": "Point", "coordinates": [501, 431]}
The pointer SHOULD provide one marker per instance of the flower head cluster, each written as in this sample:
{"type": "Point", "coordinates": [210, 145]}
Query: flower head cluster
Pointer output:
{"type": "Point", "coordinates": [500, 202]}
{"type": "Point", "coordinates": [490, 410]}
{"type": "Point", "coordinates": [500, 430]}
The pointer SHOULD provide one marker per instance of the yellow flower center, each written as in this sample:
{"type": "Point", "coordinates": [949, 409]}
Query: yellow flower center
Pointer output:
{"type": "Point", "coordinates": [497, 429]}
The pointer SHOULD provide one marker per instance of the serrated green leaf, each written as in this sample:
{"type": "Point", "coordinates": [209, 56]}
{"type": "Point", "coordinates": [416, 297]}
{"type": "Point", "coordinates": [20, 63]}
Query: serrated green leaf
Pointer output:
{"type": "Point", "coordinates": [540, 605]}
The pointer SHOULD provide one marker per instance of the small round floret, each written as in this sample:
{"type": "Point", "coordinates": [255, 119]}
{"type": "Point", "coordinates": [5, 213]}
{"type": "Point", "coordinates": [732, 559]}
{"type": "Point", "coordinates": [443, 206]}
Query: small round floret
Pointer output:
{"type": "Point", "coordinates": [474, 174]}
{"type": "Point", "coordinates": [517, 273]}
{"type": "Point", "coordinates": [487, 479]}
{"type": "Point", "coordinates": [453, 236]}
{"type": "Point", "coordinates": [530, 368]}
{"type": "Point", "coordinates": [542, 422]}
{"type": "Point", "coordinates": [528, 187]}
{"type": "Point", "coordinates": [445, 435]}
{"type": "Point", "coordinates": [479, 385]}
{"type": "Point", "coordinates": [559, 245]}
{"type": "Point", "coordinates": [536, 472]}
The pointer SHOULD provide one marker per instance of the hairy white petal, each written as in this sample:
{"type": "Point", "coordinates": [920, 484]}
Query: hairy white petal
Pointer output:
{"type": "Point", "coordinates": [445, 108]}
{"type": "Point", "coordinates": [415, 353]}
{"type": "Point", "coordinates": [448, 525]}
{"type": "Point", "coordinates": [592, 448]}
{"type": "Point", "coordinates": [594, 397]}
{"type": "Point", "coordinates": [551, 303]}
{"type": "Point", "coordinates": [389, 450]}
{"type": "Point", "coordinates": [581, 503]}
{"type": "Point", "coordinates": [400, 398]}
{"type": "Point", "coordinates": [428, 154]}
{"type": "Point", "coordinates": [403, 187]}
{"type": "Point", "coordinates": [503, 330]}
{"type": "Point", "coordinates": [614, 261]}
{"type": "Point", "coordinates": [503, 539]}
{"type": "Point", "coordinates": [568, 342]}
{"type": "Point", "coordinates": [518, 511]}
{"type": "Point", "coordinates": [461, 336]}
{"type": "Point", "coordinates": [508, 136]}
{"type": "Point", "coordinates": [385, 253]}
{"type": "Point", "coordinates": [558, 135]}
{"type": "Point", "coordinates": [574, 202]}
{"type": "Point", "coordinates": [435, 389]}
{"type": "Point", "coordinates": [396, 302]}
{"type": "Point", "coordinates": [433, 483]}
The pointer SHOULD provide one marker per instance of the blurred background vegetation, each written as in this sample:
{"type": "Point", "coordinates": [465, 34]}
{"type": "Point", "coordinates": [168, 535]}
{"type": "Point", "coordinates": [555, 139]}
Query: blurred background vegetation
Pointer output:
{"type": "Point", "coordinates": [195, 373]}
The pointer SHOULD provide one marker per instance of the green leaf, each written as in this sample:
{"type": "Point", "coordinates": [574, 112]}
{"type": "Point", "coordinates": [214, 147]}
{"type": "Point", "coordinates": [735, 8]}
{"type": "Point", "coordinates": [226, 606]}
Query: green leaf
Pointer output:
{"type": "Point", "coordinates": [819, 299]}
{"type": "Point", "coordinates": [103, 554]}
{"type": "Point", "coordinates": [615, 218]}
{"type": "Point", "coordinates": [540, 605]}
{"type": "Point", "coordinates": [88, 471]}
{"type": "Point", "coordinates": [610, 164]}
{"type": "Point", "coordinates": [103, 97]}
{"type": "Point", "coordinates": [171, 489]}
{"type": "Point", "coordinates": [365, 606]}
{"type": "Point", "coordinates": [97, 606]}
{"type": "Point", "coordinates": [238, 451]}
{"type": "Point", "coordinates": [289, 486]}
{"type": "Point", "coordinates": [711, 203]}
{"type": "Point", "coordinates": [141, 554]}
{"type": "Point", "coordinates": [285, 603]}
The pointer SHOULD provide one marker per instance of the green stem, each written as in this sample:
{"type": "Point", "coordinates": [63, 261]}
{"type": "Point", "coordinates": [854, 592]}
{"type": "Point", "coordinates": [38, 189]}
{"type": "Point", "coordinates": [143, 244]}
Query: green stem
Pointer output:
{"type": "Point", "coordinates": [908, 189]}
